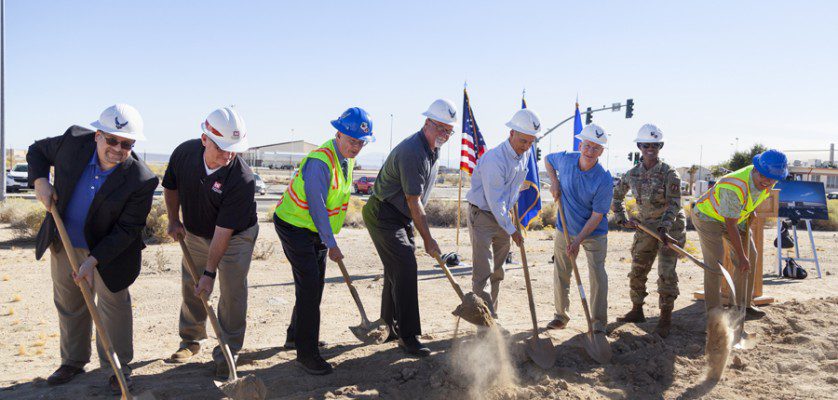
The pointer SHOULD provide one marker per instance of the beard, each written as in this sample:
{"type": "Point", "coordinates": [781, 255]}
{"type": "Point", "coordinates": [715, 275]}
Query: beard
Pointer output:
{"type": "Point", "coordinates": [439, 142]}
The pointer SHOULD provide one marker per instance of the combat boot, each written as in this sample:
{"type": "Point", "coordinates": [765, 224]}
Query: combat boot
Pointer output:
{"type": "Point", "coordinates": [635, 315]}
{"type": "Point", "coordinates": [664, 323]}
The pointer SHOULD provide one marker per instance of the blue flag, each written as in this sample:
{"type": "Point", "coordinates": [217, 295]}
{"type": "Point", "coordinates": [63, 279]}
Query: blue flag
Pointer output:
{"type": "Point", "coordinates": [577, 127]}
{"type": "Point", "coordinates": [529, 200]}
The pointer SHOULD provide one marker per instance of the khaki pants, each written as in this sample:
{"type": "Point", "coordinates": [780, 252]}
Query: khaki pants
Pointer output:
{"type": "Point", "coordinates": [489, 248]}
{"type": "Point", "coordinates": [595, 249]}
{"type": "Point", "coordinates": [75, 322]}
{"type": "Point", "coordinates": [712, 236]}
{"type": "Point", "coordinates": [232, 286]}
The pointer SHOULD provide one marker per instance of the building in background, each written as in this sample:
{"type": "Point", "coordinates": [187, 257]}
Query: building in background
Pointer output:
{"type": "Point", "coordinates": [284, 155]}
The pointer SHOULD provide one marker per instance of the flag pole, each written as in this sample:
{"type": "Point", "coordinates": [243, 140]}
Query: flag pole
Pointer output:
{"type": "Point", "coordinates": [460, 180]}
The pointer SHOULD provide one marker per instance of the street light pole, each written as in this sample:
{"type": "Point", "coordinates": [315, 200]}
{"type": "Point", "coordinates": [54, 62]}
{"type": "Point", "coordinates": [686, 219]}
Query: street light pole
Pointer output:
{"type": "Point", "coordinates": [391, 132]}
{"type": "Point", "coordinates": [3, 93]}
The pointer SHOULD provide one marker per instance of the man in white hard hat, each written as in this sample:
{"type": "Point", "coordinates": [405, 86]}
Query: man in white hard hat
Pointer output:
{"type": "Point", "coordinates": [586, 190]}
{"type": "Point", "coordinates": [657, 190]}
{"type": "Point", "coordinates": [397, 204]}
{"type": "Point", "coordinates": [215, 189]}
{"type": "Point", "coordinates": [495, 186]}
{"type": "Point", "coordinates": [103, 193]}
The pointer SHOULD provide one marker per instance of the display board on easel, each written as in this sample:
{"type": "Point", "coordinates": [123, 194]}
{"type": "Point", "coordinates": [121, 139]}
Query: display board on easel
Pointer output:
{"type": "Point", "coordinates": [801, 201]}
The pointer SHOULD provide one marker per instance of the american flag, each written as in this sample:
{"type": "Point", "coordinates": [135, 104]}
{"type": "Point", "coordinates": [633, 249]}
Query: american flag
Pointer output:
{"type": "Point", "coordinates": [473, 145]}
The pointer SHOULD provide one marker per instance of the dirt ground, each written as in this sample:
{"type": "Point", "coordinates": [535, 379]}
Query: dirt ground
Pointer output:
{"type": "Point", "coordinates": [796, 354]}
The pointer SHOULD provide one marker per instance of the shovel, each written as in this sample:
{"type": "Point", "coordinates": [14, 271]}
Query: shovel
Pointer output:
{"type": "Point", "coordinates": [595, 344]}
{"type": "Point", "coordinates": [368, 332]}
{"type": "Point", "coordinates": [541, 351]}
{"type": "Point", "coordinates": [720, 270]}
{"type": "Point", "coordinates": [741, 338]}
{"type": "Point", "coordinates": [235, 387]}
{"type": "Point", "coordinates": [91, 306]}
{"type": "Point", "coordinates": [472, 308]}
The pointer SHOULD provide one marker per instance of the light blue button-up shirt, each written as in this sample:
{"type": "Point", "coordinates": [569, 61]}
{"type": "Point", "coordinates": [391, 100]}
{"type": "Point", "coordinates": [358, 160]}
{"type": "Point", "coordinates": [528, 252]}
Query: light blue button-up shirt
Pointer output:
{"type": "Point", "coordinates": [496, 183]}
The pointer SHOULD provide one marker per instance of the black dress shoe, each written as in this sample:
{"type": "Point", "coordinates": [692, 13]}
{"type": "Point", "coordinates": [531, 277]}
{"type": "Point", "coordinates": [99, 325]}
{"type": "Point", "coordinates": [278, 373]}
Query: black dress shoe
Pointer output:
{"type": "Point", "coordinates": [412, 346]}
{"type": "Point", "coordinates": [291, 345]}
{"type": "Point", "coordinates": [64, 374]}
{"type": "Point", "coordinates": [315, 365]}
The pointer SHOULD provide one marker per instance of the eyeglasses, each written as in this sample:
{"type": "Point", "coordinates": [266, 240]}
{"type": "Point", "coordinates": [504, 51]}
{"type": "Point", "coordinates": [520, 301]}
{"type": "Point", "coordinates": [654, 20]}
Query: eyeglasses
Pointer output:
{"type": "Point", "coordinates": [125, 145]}
{"type": "Point", "coordinates": [355, 142]}
{"type": "Point", "coordinates": [442, 129]}
{"type": "Point", "coordinates": [652, 145]}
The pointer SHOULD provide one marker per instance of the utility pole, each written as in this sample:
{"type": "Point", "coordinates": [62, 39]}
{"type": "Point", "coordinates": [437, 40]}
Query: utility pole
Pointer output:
{"type": "Point", "coordinates": [391, 133]}
{"type": "Point", "coordinates": [3, 93]}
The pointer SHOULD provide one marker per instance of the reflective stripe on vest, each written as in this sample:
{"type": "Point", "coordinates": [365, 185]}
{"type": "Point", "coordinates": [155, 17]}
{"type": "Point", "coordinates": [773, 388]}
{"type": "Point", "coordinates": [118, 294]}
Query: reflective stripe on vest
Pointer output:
{"type": "Point", "coordinates": [737, 181]}
{"type": "Point", "coordinates": [293, 207]}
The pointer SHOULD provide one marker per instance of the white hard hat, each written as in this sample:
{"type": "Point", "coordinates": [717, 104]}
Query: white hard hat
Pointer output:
{"type": "Point", "coordinates": [649, 134]}
{"type": "Point", "coordinates": [442, 110]}
{"type": "Point", "coordinates": [525, 121]}
{"type": "Point", "coordinates": [121, 120]}
{"type": "Point", "coordinates": [593, 133]}
{"type": "Point", "coordinates": [226, 128]}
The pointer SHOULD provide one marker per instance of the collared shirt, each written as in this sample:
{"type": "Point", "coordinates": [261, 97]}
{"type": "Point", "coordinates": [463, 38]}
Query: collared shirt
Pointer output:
{"type": "Point", "coordinates": [583, 192]}
{"type": "Point", "coordinates": [224, 198]}
{"type": "Point", "coordinates": [729, 204]}
{"type": "Point", "coordinates": [316, 175]}
{"type": "Point", "coordinates": [90, 181]}
{"type": "Point", "coordinates": [496, 183]}
{"type": "Point", "coordinates": [411, 170]}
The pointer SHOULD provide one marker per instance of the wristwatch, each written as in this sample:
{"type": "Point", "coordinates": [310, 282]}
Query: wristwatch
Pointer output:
{"type": "Point", "coordinates": [210, 274]}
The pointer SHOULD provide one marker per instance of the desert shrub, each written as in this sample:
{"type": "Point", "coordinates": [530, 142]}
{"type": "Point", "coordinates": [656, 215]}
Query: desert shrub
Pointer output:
{"type": "Point", "coordinates": [443, 213]}
{"type": "Point", "coordinates": [268, 216]}
{"type": "Point", "coordinates": [354, 218]}
{"type": "Point", "coordinates": [12, 209]}
{"type": "Point", "coordinates": [28, 221]}
{"type": "Point", "coordinates": [832, 223]}
{"type": "Point", "coordinates": [157, 224]}
{"type": "Point", "coordinates": [546, 219]}
{"type": "Point", "coordinates": [262, 250]}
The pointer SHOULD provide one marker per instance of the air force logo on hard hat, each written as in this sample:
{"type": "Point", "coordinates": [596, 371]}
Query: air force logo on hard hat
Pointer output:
{"type": "Point", "coordinates": [598, 133]}
{"type": "Point", "coordinates": [365, 127]}
{"type": "Point", "coordinates": [452, 113]}
{"type": "Point", "coordinates": [654, 134]}
{"type": "Point", "coordinates": [118, 125]}
{"type": "Point", "coordinates": [535, 125]}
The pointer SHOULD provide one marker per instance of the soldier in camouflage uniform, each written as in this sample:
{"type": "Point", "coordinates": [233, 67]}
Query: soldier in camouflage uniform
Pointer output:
{"type": "Point", "coordinates": [657, 188]}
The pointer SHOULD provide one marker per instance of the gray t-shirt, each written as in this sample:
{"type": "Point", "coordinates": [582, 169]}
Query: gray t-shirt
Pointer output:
{"type": "Point", "coordinates": [410, 169]}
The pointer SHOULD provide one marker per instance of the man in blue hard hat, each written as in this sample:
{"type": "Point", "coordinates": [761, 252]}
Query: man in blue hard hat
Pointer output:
{"type": "Point", "coordinates": [720, 216]}
{"type": "Point", "coordinates": [306, 219]}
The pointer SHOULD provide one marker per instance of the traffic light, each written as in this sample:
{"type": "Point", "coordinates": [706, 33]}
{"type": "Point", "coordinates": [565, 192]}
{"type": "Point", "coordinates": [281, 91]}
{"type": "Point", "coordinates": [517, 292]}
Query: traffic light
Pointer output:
{"type": "Point", "coordinates": [631, 156]}
{"type": "Point", "coordinates": [588, 117]}
{"type": "Point", "coordinates": [629, 108]}
{"type": "Point", "coordinates": [634, 157]}
{"type": "Point", "coordinates": [537, 154]}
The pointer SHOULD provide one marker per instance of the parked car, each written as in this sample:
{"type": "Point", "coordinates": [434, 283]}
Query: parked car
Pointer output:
{"type": "Point", "coordinates": [364, 184]}
{"type": "Point", "coordinates": [20, 173]}
{"type": "Point", "coordinates": [832, 196]}
{"type": "Point", "coordinates": [12, 185]}
{"type": "Point", "coordinates": [261, 187]}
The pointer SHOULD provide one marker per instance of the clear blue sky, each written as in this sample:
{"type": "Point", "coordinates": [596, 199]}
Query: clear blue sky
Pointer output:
{"type": "Point", "coordinates": [705, 74]}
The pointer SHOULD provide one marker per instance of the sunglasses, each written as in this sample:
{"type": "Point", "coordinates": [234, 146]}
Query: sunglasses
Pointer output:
{"type": "Point", "coordinates": [652, 145]}
{"type": "Point", "coordinates": [125, 145]}
{"type": "Point", "coordinates": [442, 129]}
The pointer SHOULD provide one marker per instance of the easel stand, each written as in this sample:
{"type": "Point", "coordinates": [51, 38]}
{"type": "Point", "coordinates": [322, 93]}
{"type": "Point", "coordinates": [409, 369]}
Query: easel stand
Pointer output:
{"type": "Point", "coordinates": [780, 257]}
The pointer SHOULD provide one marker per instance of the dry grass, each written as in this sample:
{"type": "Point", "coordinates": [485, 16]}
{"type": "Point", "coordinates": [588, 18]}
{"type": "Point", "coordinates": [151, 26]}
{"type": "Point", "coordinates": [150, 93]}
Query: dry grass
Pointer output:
{"type": "Point", "coordinates": [28, 221]}
{"type": "Point", "coordinates": [157, 224]}
{"type": "Point", "coordinates": [12, 209]}
{"type": "Point", "coordinates": [443, 213]}
{"type": "Point", "coordinates": [263, 250]}
{"type": "Point", "coordinates": [832, 223]}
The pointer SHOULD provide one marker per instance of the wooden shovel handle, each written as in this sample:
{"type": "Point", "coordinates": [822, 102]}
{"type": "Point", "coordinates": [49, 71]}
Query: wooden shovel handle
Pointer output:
{"type": "Point", "coordinates": [526, 275]}
{"type": "Point", "coordinates": [679, 250]}
{"type": "Point", "coordinates": [449, 276]}
{"type": "Point", "coordinates": [354, 293]}
{"type": "Point", "coordinates": [575, 268]}
{"type": "Point", "coordinates": [91, 305]}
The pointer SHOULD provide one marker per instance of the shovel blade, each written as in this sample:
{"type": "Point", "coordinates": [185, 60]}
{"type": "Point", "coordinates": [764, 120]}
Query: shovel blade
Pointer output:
{"type": "Point", "coordinates": [541, 351]}
{"type": "Point", "coordinates": [597, 347]}
{"type": "Point", "coordinates": [249, 387]}
{"type": "Point", "coordinates": [474, 310]}
{"type": "Point", "coordinates": [371, 332]}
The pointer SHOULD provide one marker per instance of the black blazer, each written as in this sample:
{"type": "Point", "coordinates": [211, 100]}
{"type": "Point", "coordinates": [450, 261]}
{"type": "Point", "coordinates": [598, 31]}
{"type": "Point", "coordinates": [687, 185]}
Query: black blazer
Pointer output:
{"type": "Point", "coordinates": [117, 216]}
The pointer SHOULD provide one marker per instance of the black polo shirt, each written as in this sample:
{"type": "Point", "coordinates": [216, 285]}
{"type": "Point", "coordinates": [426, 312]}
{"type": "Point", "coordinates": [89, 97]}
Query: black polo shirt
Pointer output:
{"type": "Point", "coordinates": [410, 169]}
{"type": "Point", "coordinates": [226, 198]}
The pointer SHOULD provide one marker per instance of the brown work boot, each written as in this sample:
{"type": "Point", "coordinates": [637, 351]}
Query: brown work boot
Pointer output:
{"type": "Point", "coordinates": [185, 353]}
{"type": "Point", "coordinates": [635, 315]}
{"type": "Point", "coordinates": [664, 323]}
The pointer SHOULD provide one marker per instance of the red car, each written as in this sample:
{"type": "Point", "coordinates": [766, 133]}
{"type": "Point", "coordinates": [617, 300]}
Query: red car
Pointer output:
{"type": "Point", "coordinates": [364, 184]}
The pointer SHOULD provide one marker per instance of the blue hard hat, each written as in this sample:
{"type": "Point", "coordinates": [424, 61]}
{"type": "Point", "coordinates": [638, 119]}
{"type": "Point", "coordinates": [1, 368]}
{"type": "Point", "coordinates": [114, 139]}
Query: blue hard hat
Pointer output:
{"type": "Point", "coordinates": [772, 164]}
{"type": "Point", "coordinates": [356, 123]}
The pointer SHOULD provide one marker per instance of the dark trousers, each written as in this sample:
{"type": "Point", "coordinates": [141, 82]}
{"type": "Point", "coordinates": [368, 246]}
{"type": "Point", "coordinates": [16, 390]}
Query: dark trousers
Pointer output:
{"type": "Point", "coordinates": [307, 255]}
{"type": "Point", "coordinates": [392, 234]}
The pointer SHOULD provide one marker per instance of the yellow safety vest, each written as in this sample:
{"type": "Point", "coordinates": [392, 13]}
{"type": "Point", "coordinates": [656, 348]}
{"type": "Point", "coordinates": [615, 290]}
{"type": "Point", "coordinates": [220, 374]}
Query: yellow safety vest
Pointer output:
{"type": "Point", "coordinates": [736, 181]}
{"type": "Point", "coordinates": [293, 207]}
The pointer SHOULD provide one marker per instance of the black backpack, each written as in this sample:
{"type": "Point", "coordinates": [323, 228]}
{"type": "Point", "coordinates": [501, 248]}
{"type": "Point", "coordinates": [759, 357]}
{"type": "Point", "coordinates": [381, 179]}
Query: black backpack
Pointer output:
{"type": "Point", "coordinates": [785, 237]}
{"type": "Point", "coordinates": [793, 270]}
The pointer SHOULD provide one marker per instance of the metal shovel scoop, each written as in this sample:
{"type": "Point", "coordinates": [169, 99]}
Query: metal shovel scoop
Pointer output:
{"type": "Point", "coordinates": [368, 332]}
{"type": "Point", "coordinates": [472, 307]}
{"type": "Point", "coordinates": [249, 387]}
{"type": "Point", "coordinates": [595, 343]}
{"type": "Point", "coordinates": [540, 350]}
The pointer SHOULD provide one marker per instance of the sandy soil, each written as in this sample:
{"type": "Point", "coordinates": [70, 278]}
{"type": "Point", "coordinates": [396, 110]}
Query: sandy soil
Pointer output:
{"type": "Point", "coordinates": [796, 355]}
